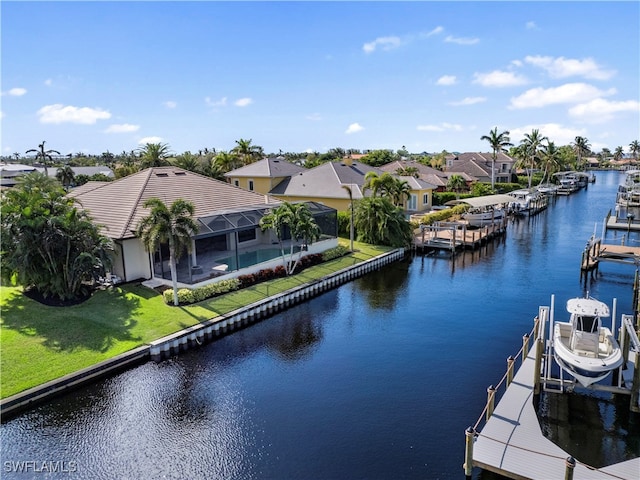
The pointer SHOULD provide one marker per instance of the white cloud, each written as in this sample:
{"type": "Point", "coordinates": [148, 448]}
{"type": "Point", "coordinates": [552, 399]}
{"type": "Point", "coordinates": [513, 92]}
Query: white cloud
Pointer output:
{"type": "Point", "coordinates": [555, 132]}
{"type": "Point", "coordinates": [1, 114]}
{"type": "Point", "coordinates": [243, 102]}
{"type": "Point", "coordinates": [122, 128]}
{"type": "Point", "coordinates": [59, 113]}
{"type": "Point", "coordinates": [443, 127]}
{"type": "Point", "coordinates": [447, 80]}
{"type": "Point", "coordinates": [499, 78]}
{"type": "Point", "coordinates": [215, 103]}
{"type": "Point", "coordinates": [48, 82]}
{"type": "Point", "coordinates": [461, 41]}
{"type": "Point", "coordinates": [385, 43]}
{"type": "Point", "coordinates": [567, 93]}
{"type": "Point", "coordinates": [531, 25]}
{"type": "Point", "coordinates": [435, 31]}
{"type": "Point", "coordinates": [600, 110]}
{"type": "Point", "coordinates": [17, 92]}
{"type": "Point", "coordinates": [145, 140]}
{"type": "Point", "coordinates": [353, 128]}
{"type": "Point", "coordinates": [314, 117]}
{"type": "Point", "coordinates": [469, 101]}
{"type": "Point", "coordinates": [170, 104]}
{"type": "Point", "coordinates": [568, 67]}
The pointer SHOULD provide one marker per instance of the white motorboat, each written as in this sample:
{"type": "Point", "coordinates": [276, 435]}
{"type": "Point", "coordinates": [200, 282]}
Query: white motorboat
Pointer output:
{"type": "Point", "coordinates": [526, 202]}
{"type": "Point", "coordinates": [485, 215]}
{"type": "Point", "coordinates": [583, 347]}
{"type": "Point", "coordinates": [629, 192]}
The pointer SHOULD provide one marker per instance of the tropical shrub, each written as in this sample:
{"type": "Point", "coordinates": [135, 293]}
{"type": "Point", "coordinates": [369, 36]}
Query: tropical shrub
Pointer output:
{"type": "Point", "coordinates": [187, 296]}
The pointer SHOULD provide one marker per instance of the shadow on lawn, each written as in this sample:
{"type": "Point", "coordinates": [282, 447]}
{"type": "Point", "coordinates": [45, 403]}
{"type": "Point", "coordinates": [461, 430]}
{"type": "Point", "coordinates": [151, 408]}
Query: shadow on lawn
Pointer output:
{"type": "Point", "coordinates": [96, 324]}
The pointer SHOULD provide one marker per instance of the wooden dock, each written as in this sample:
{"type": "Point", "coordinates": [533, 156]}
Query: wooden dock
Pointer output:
{"type": "Point", "coordinates": [454, 236]}
{"type": "Point", "coordinates": [620, 221]}
{"type": "Point", "coordinates": [512, 443]}
{"type": "Point", "coordinates": [596, 252]}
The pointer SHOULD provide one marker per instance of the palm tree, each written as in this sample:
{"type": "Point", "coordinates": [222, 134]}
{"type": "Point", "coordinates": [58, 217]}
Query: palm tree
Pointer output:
{"type": "Point", "coordinates": [173, 225]}
{"type": "Point", "coordinates": [634, 149]}
{"type": "Point", "coordinates": [581, 147]}
{"type": "Point", "coordinates": [45, 156]}
{"type": "Point", "coordinates": [154, 155]}
{"type": "Point", "coordinates": [66, 176]}
{"type": "Point", "coordinates": [550, 159]}
{"type": "Point", "coordinates": [400, 190]}
{"type": "Point", "coordinates": [618, 154]}
{"type": "Point", "coordinates": [531, 145]}
{"type": "Point", "coordinates": [227, 161]}
{"type": "Point", "coordinates": [246, 152]}
{"type": "Point", "coordinates": [499, 143]}
{"type": "Point", "coordinates": [379, 222]}
{"type": "Point", "coordinates": [456, 184]}
{"type": "Point", "coordinates": [297, 218]}
{"type": "Point", "coordinates": [187, 161]}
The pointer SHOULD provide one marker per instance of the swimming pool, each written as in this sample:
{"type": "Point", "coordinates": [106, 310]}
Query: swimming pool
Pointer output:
{"type": "Point", "coordinates": [246, 259]}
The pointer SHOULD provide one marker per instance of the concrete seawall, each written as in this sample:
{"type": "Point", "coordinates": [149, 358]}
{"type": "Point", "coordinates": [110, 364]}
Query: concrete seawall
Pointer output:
{"type": "Point", "coordinates": [191, 337]}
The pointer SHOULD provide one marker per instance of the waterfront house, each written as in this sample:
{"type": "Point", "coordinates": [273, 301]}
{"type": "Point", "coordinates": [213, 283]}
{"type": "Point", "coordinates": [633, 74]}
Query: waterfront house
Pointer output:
{"type": "Point", "coordinates": [329, 184]}
{"type": "Point", "coordinates": [478, 165]}
{"type": "Point", "coordinates": [435, 177]}
{"type": "Point", "coordinates": [264, 175]}
{"type": "Point", "coordinates": [229, 239]}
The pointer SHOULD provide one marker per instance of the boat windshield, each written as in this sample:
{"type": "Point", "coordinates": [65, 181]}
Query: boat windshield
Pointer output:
{"type": "Point", "coordinates": [587, 324]}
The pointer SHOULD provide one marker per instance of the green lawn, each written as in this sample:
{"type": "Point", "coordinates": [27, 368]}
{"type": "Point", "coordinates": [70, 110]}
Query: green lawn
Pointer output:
{"type": "Point", "coordinates": [40, 343]}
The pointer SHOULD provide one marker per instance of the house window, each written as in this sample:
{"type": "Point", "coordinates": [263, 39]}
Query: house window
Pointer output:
{"type": "Point", "coordinates": [246, 235]}
{"type": "Point", "coordinates": [251, 185]}
{"type": "Point", "coordinates": [425, 199]}
{"type": "Point", "coordinates": [413, 202]}
{"type": "Point", "coordinates": [236, 182]}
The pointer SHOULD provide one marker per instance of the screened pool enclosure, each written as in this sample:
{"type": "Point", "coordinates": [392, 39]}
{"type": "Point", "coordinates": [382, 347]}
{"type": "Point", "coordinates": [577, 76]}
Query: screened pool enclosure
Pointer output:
{"type": "Point", "coordinates": [231, 240]}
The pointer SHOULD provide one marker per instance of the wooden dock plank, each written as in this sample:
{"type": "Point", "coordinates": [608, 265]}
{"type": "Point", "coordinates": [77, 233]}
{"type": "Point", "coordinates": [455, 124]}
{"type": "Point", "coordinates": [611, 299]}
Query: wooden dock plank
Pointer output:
{"type": "Point", "coordinates": [512, 444]}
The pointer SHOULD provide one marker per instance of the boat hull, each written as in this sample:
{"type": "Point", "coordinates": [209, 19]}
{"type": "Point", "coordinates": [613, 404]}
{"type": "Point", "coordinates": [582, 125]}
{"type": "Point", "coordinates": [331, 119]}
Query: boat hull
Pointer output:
{"type": "Point", "coordinates": [586, 369]}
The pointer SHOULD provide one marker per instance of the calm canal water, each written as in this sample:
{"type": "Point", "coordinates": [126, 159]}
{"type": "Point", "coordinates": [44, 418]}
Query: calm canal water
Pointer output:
{"type": "Point", "coordinates": [376, 379]}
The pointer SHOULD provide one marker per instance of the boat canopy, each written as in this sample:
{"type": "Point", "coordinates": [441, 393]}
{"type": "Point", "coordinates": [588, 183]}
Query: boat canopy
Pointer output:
{"type": "Point", "coordinates": [571, 172]}
{"type": "Point", "coordinates": [587, 306]}
{"type": "Point", "coordinates": [484, 201]}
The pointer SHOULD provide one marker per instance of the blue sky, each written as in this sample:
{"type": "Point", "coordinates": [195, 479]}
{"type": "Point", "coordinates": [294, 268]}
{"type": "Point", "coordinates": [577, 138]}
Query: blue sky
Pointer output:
{"type": "Point", "coordinates": [310, 76]}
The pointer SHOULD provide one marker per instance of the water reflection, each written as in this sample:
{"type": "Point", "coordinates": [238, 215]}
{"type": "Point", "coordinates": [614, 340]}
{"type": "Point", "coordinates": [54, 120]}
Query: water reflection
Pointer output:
{"type": "Point", "coordinates": [597, 429]}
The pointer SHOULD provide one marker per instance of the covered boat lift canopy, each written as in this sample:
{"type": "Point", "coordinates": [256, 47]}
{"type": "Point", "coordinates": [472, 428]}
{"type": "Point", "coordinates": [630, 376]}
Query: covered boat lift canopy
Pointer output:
{"type": "Point", "coordinates": [484, 201]}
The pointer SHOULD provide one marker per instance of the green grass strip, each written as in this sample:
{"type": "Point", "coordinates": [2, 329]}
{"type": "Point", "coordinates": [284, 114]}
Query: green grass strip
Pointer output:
{"type": "Point", "coordinates": [40, 343]}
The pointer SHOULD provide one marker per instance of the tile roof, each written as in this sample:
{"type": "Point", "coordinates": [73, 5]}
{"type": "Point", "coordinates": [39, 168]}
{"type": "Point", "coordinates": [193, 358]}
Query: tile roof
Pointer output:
{"type": "Point", "coordinates": [268, 167]}
{"type": "Point", "coordinates": [118, 206]}
{"type": "Point", "coordinates": [327, 180]}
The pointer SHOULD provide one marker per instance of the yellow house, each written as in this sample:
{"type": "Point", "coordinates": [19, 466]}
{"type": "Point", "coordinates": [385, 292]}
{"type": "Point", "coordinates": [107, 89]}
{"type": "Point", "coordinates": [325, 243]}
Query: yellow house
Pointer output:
{"type": "Point", "coordinates": [263, 176]}
{"type": "Point", "coordinates": [334, 184]}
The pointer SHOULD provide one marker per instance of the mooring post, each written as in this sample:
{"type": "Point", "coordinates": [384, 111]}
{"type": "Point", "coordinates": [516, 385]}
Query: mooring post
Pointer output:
{"type": "Point", "coordinates": [525, 346]}
{"type": "Point", "coordinates": [491, 396]}
{"type": "Point", "coordinates": [635, 386]}
{"type": "Point", "coordinates": [510, 362]}
{"type": "Point", "coordinates": [570, 465]}
{"type": "Point", "coordinates": [468, 452]}
{"type": "Point", "coordinates": [536, 370]}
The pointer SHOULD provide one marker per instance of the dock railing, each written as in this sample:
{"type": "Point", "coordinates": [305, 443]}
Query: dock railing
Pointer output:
{"type": "Point", "coordinates": [472, 432]}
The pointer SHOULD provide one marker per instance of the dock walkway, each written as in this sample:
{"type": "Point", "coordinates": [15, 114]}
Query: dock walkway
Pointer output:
{"type": "Point", "coordinates": [596, 252]}
{"type": "Point", "coordinates": [512, 444]}
{"type": "Point", "coordinates": [454, 236]}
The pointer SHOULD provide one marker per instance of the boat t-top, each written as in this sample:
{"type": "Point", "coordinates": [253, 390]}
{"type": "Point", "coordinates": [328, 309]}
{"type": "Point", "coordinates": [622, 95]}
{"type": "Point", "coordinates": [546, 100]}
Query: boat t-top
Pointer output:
{"type": "Point", "coordinates": [583, 347]}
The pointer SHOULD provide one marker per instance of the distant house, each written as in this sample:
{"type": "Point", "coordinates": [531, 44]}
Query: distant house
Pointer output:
{"type": "Point", "coordinates": [9, 173]}
{"type": "Point", "coordinates": [264, 175]}
{"type": "Point", "coordinates": [430, 175]}
{"type": "Point", "coordinates": [478, 165]}
{"type": "Point", "coordinates": [326, 184]}
{"type": "Point", "coordinates": [229, 240]}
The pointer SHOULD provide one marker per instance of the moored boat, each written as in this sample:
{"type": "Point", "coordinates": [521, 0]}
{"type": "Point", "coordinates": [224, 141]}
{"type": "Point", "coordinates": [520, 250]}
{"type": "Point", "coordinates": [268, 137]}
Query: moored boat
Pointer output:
{"type": "Point", "coordinates": [583, 347]}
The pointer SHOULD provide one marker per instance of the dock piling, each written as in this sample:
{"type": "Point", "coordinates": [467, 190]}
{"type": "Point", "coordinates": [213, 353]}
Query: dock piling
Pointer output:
{"type": "Point", "coordinates": [468, 452]}
{"type": "Point", "coordinates": [571, 465]}
{"type": "Point", "coordinates": [491, 397]}
{"type": "Point", "coordinates": [510, 363]}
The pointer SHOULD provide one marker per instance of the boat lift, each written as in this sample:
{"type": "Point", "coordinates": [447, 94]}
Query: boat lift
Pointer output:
{"type": "Point", "coordinates": [627, 380]}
